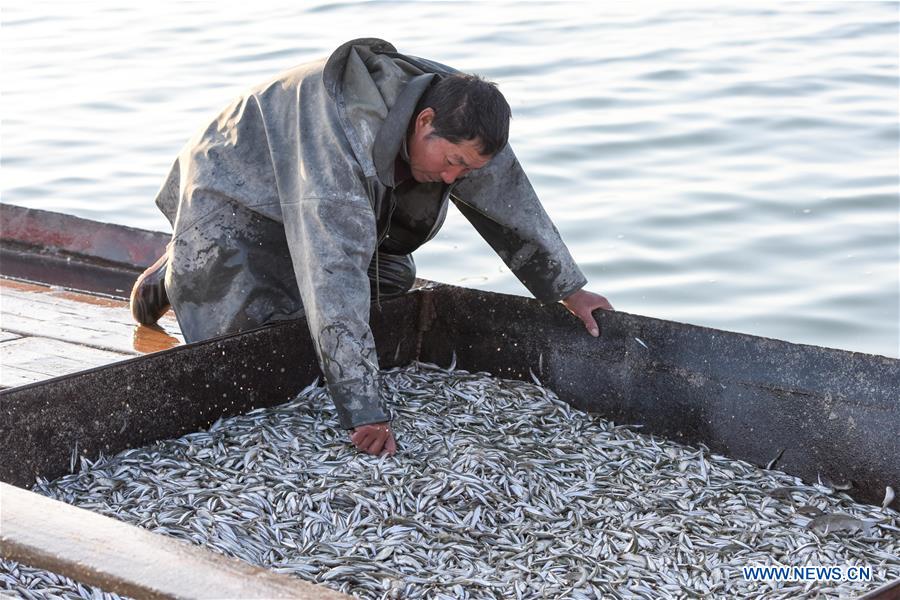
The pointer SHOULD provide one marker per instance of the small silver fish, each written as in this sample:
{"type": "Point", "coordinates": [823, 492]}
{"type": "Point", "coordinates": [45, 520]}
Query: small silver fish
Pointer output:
{"type": "Point", "coordinates": [831, 486]}
{"type": "Point", "coordinates": [808, 510]}
{"type": "Point", "coordinates": [772, 462]}
{"type": "Point", "coordinates": [500, 490]}
{"type": "Point", "coordinates": [825, 524]}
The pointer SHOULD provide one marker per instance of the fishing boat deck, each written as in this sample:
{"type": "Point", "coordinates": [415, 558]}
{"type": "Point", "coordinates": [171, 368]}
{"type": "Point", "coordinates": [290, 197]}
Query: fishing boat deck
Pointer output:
{"type": "Point", "coordinates": [48, 331]}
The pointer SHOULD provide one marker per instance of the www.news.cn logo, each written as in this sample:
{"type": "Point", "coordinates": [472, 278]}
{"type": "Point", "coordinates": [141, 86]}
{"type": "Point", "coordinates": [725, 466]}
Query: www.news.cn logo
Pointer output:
{"type": "Point", "coordinates": [811, 573]}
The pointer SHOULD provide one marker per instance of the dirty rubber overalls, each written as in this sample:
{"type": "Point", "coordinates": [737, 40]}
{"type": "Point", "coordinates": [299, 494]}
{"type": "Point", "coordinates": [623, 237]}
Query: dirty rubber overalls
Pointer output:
{"type": "Point", "coordinates": [286, 205]}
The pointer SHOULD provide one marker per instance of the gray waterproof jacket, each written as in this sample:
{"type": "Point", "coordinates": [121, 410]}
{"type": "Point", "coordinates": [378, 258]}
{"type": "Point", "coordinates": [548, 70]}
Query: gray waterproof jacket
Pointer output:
{"type": "Point", "coordinates": [313, 151]}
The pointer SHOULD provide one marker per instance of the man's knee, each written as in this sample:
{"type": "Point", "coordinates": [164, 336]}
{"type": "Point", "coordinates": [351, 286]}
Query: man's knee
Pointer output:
{"type": "Point", "coordinates": [391, 274]}
{"type": "Point", "coordinates": [222, 279]}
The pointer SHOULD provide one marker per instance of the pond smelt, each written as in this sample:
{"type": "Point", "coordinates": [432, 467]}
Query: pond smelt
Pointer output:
{"type": "Point", "coordinates": [498, 490]}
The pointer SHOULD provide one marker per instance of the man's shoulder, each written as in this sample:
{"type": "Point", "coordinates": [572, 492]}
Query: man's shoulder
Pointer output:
{"type": "Point", "coordinates": [335, 65]}
{"type": "Point", "coordinates": [333, 71]}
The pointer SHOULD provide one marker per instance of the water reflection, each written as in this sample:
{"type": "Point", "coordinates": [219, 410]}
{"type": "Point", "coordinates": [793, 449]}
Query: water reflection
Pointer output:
{"type": "Point", "coordinates": [699, 132]}
{"type": "Point", "coordinates": [153, 338]}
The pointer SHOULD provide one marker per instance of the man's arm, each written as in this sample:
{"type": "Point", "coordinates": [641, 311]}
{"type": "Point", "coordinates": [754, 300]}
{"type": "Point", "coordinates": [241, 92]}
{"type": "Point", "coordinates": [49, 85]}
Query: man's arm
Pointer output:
{"type": "Point", "coordinates": [331, 242]}
{"type": "Point", "coordinates": [502, 205]}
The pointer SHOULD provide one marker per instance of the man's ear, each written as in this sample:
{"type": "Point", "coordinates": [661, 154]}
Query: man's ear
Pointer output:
{"type": "Point", "coordinates": [425, 118]}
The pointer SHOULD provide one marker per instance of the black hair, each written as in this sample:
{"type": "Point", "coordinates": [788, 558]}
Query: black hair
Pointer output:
{"type": "Point", "coordinates": [466, 107]}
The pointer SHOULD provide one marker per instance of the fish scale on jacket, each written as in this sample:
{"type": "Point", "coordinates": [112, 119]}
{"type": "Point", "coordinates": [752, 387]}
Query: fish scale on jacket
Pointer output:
{"type": "Point", "coordinates": [279, 205]}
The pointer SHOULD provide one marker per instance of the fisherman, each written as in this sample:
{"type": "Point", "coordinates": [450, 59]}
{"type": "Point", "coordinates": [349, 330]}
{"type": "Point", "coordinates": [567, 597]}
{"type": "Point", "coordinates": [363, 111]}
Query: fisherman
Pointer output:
{"type": "Point", "coordinates": [308, 195]}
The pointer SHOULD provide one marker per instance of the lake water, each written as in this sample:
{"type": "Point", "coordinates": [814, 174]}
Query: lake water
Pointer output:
{"type": "Point", "coordinates": [730, 165]}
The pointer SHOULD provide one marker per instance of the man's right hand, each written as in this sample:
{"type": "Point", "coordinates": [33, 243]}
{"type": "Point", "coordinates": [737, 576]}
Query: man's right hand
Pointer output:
{"type": "Point", "coordinates": [375, 438]}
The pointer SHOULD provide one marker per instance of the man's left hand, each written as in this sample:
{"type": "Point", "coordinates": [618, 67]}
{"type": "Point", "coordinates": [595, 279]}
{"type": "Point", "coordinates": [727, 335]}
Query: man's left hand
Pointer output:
{"type": "Point", "coordinates": [582, 303]}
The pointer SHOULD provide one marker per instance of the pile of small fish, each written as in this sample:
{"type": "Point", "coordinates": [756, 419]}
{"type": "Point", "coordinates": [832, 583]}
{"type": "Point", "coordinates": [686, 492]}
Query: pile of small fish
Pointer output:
{"type": "Point", "coordinates": [37, 584]}
{"type": "Point", "coordinates": [498, 490]}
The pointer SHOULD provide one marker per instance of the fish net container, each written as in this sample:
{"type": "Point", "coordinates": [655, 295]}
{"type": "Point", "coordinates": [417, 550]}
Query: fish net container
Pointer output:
{"type": "Point", "coordinates": [498, 490]}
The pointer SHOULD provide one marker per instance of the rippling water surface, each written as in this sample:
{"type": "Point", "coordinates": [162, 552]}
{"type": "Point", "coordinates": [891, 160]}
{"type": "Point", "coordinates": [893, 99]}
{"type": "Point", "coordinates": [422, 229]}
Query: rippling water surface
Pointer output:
{"type": "Point", "coordinates": [733, 166]}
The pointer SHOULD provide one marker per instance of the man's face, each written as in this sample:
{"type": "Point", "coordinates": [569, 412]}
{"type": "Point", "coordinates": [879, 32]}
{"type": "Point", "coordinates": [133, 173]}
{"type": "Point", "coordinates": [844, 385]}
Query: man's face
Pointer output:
{"type": "Point", "coordinates": [433, 159]}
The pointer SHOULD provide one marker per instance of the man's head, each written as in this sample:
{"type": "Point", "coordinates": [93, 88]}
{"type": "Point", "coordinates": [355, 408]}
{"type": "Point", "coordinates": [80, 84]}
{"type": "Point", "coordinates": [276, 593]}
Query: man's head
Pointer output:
{"type": "Point", "coordinates": [461, 122]}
